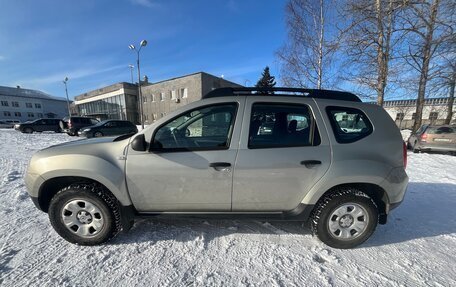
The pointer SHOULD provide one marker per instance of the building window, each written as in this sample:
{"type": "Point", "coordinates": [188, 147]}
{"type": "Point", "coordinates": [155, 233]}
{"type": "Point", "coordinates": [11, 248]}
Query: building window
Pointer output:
{"type": "Point", "coordinates": [30, 115]}
{"type": "Point", "coordinates": [40, 115]}
{"type": "Point", "coordinates": [173, 95]}
{"type": "Point", "coordinates": [162, 97]}
{"type": "Point", "coordinates": [399, 116]}
{"type": "Point", "coordinates": [17, 114]}
{"type": "Point", "coordinates": [433, 116]}
{"type": "Point", "coordinates": [15, 104]}
{"type": "Point", "coordinates": [145, 99]}
{"type": "Point", "coordinates": [28, 105]}
{"type": "Point", "coordinates": [38, 106]}
{"type": "Point", "coordinates": [153, 98]}
{"type": "Point", "coordinates": [4, 103]}
{"type": "Point", "coordinates": [413, 116]}
{"type": "Point", "coordinates": [184, 93]}
{"type": "Point", "coordinates": [7, 114]}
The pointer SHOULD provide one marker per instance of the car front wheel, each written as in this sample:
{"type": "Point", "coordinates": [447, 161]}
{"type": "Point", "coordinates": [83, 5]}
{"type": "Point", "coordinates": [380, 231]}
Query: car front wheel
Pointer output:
{"type": "Point", "coordinates": [345, 218]}
{"type": "Point", "coordinates": [85, 214]}
{"type": "Point", "coordinates": [97, 134]}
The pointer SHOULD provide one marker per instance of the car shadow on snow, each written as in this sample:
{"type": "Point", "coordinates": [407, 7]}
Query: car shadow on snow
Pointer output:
{"type": "Point", "coordinates": [428, 210]}
{"type": "Point", "coordinates": [186, 230]}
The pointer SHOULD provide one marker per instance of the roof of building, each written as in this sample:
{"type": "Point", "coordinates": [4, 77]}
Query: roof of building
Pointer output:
{"type": "Point", "coordinates": [105, 90]}
{"type": "Point", "coordinates": [27, 93]}
{"type": "Point", "coordinates": [193, 74]}
{"type": "Point", "coordinates": [120, 85]}
{"type": "Point", "coordinates": [412, 102]}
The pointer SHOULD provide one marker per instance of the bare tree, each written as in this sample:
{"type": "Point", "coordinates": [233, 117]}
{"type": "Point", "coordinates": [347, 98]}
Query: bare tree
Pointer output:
{"type": "Point", "coordinates": [429, 26]}
{"type": "Point", "coordinates": [307, 54]}
{"type": "Point", "coordinates": [370, 41]}
{"type": "Point", "coordinates": [451, 85]}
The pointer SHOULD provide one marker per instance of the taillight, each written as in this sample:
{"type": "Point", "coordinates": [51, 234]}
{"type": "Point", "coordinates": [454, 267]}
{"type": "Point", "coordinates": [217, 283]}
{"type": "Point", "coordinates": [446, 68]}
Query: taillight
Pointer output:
{"type": "Point", "coordinates": [423, 137]}
{"type": "Point", "coordinates": [404, 154]}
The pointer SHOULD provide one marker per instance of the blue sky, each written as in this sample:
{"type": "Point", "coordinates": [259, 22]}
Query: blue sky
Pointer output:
{"type": "Point", "coordinates": [42, 42]}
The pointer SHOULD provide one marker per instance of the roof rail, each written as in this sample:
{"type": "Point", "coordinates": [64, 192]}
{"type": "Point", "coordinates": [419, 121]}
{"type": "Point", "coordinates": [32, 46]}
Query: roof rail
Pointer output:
{"type": "Point", "coordinates": [297, 92]}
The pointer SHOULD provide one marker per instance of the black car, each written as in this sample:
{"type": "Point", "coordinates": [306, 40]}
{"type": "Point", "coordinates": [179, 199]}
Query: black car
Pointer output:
{"type": "Point", "coordinates": [72, 125]}
{"type": "Point", "coordinates": [109, 128]}
{"type": "Point", "coordinates": [39, 125]}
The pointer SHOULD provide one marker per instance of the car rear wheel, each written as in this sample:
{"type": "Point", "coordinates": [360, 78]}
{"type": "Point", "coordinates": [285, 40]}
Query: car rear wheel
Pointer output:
{"type": "Point", "coordinates": [85, 214]}
{"type": "Point", "coordinates": [345, 218]}
{"type": "Point", "coordinates": [97, 134]}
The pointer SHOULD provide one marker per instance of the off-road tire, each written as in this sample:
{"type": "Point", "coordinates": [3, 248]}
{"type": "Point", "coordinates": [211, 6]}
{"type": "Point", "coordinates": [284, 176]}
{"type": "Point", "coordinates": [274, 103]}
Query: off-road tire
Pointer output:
{"type": "Point", "coordinates": [320, 217]}
{"type": "Point", "coordinates": [96, 194]}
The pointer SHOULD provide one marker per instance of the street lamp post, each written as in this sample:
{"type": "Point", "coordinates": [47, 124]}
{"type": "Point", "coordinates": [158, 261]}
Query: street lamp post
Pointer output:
{"type": "Point", "coordinates": [66, 92]}
{"type": "Point", "coordinates": [143, 43]}
{"type": "Point", "coordinates": [131, 72]}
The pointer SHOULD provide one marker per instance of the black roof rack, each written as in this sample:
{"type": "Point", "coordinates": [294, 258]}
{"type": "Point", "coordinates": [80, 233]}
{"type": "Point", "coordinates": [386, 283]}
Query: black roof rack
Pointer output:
{"type": "Point", "coordinates": [311, 93]}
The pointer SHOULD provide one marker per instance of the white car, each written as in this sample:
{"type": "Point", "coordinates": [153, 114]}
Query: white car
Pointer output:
{"type": "Point", "coordinates": [8, 123]}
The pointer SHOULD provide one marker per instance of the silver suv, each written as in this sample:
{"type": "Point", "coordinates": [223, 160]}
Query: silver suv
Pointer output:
{"type": "Point", "coordinates": [314, 156]}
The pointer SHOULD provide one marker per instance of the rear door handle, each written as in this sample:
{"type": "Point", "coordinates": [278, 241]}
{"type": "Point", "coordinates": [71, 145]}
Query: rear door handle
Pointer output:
{"type": "Point", "coordinates": [310, 163]}
{"type": "Point", "coordinates": [220, 165]}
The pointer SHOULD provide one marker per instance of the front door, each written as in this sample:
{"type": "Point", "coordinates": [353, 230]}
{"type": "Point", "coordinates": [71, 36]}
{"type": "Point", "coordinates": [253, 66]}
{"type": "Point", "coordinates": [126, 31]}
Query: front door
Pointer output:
{"type": "Point", "coordinates": [190, 164]}
{"type": "Point", "coordinates": [282, 154]}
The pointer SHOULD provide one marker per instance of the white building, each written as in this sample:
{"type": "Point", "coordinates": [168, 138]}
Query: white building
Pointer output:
{"type": "Point", "coordinates": [434, 112]}
{"type": "Point", "coordinates": [25, 104]}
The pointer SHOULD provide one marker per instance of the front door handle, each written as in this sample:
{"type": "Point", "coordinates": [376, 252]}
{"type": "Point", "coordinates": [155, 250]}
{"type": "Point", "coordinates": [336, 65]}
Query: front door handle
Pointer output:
{"type": "Point", "coordinates": [220, 165]}
{"type": "Point", "coordinates": [310, 163]}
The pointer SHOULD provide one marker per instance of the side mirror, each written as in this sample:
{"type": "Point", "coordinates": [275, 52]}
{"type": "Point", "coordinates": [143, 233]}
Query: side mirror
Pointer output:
{"type": "Point", "coordinates": [139, 143]}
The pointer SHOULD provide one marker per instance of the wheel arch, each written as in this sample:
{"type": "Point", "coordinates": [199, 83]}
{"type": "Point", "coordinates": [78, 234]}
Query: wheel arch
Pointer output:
{"type": "Point", "coordinates": [374, 191]}
{"type": "Point", "coordinates": [53, 185]}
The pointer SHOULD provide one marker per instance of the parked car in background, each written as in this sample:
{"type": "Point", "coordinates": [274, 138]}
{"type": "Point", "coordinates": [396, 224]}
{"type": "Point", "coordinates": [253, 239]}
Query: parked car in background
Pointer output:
{"type": "Point", "coordinates": [433, 138]}
{"type": "Point", "coordinates": [8, 123]}
{"type": "Point", "coordinates": [109, 128]}
{"type": "Point", "coordinates": [39, 125]}
{"type": "Point", "coordinates": [72, 125]}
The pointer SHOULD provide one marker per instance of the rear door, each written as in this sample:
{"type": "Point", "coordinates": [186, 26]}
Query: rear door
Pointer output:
{"type": "Point", "coordinates": [284, 151]}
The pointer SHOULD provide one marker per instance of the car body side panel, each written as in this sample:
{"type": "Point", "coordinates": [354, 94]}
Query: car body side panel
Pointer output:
{"type": "Point", "coordinates": [103, 162]}
{"type": "Point", "coordinates": [368, 160]}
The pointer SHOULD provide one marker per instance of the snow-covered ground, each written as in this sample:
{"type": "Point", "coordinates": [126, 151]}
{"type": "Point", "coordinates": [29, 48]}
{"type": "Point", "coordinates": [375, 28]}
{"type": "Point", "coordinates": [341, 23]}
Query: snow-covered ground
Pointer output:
{"type": "Point", "coordinates": [416, 248]}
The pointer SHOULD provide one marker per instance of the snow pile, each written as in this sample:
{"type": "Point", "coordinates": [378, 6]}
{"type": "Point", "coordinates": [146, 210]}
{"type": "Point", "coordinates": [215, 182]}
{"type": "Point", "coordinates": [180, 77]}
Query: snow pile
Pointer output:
{"type": "Point", "coordinates": [406, 134]}
{"type": "Point", "coordinates": [416, 248]}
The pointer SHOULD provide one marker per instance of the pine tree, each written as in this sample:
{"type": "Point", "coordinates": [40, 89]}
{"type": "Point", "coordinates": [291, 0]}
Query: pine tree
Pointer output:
{"type": "Point", "coordinates": [266, 81]}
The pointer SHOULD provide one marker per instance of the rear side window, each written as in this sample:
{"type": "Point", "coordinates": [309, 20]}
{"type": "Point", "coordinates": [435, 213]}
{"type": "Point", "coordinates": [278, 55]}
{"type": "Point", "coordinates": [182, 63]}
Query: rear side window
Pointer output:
{"type": "Point", "coordinates": [275, 125]}
{"type": "Point", "coordinates": [348, 124]}
{"type": "Point", "coordinates": [440, 130]}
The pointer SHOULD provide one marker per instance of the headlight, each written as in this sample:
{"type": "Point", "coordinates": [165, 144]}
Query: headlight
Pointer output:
{"type": "Point", "coordinates": [86, 130]}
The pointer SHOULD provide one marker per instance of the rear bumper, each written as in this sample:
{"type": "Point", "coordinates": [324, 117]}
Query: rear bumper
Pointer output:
{"type": "Point", "coordinates": [449, 148]}
{"type": "Point", "coordinates": [395, 186]}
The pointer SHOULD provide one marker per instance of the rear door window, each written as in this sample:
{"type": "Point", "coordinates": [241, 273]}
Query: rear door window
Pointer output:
{"type": "Point", "coordinates": [349, 124]}
{"type": "Point", "coordinates": [275, 125]}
